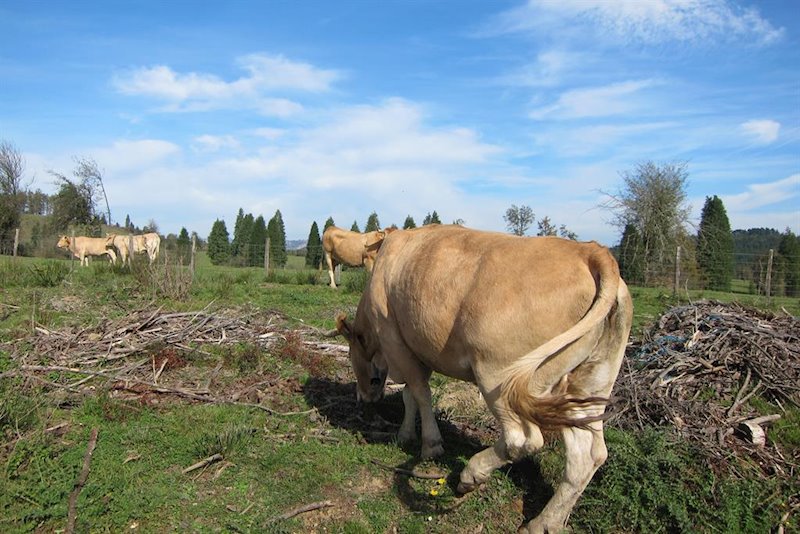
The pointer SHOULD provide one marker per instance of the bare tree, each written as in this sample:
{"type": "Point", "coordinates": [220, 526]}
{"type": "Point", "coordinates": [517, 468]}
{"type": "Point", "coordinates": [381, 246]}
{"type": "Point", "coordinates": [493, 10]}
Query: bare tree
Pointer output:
{"type": "Point", "coordinates": [12, 167]}
{"type": "Point", "coordinates": [92, 178]}
{"type": "Point", "coordinates": [653, 200]}
{"type": "Point", "coordinates": [518, 219]}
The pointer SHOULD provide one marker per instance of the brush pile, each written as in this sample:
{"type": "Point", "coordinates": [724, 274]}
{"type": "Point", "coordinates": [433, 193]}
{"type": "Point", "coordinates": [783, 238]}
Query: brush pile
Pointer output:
{"type": "Point", "coordinates": [698, 367]}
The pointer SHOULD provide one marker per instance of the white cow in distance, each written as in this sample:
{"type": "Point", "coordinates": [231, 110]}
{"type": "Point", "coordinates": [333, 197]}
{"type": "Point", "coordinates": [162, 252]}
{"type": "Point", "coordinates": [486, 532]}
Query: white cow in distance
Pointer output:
{"type": "Point", "coordinates": [82, 247]}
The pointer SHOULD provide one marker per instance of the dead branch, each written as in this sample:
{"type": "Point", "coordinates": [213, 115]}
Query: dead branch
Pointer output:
{"type": "Point", "coordinates": [301, 510]}
{"type": "Point", "coordinates": [72, 514]}
{"type": "Point", "coordinates": [203, 463]}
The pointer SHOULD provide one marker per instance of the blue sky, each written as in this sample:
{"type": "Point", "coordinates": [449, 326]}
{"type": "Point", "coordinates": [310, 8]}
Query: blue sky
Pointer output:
{"type": "Point", "coordinates": [319, 108]}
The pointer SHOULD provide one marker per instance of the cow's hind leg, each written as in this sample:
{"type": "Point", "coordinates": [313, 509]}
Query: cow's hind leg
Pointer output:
{"type": "Point", "coordinates": [408, 429]}
{"type": "Point", "coordinates": [585, 453]}
{"type": "Point", "coordinates": [329, 261]}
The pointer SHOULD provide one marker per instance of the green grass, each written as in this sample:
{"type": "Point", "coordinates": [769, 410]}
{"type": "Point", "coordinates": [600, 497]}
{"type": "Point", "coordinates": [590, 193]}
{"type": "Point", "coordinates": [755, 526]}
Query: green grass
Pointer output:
{"type": "Point", "coordinates": [651, 483]}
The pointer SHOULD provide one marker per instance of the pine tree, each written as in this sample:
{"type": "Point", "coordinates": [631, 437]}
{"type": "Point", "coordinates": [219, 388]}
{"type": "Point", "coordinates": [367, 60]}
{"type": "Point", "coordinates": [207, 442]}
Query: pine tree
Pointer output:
{"type": "Point", "coordinates": [715, 245]}
{"type": "Point", "coordinates": [409, 223]}
{"type": "Point", "coordinates": [236, 243]}
{"type": "Point", "coordinates": [258, 239]}
{"type": "Point", "coordinates": [218, 244]}
{"type": "Point", "coordinates": [314, 247]}
{"type": "Point", "coordinates": [243, 239]}
{"type": "Point", "coordinates": [355, 228]}
{"type": "Point", "coordinates": [631, 256]}
{"type": "Point", "coordinates": [789, 251]}
{"type": "Point", "coordinates": [277, 240]}
{"type": "Point", "coordinates": [435, 218]}
{"type": "Point", "coordinates": [184, 245]}
{"type": "Point", "coordinates": [372, 223]}
{"type": "Point", "coordinates": [328, 224]}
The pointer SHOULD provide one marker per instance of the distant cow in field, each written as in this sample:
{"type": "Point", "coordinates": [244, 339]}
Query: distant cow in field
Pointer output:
{"type": "Point", "coordinates": [538, 324]}
{"type": "Point", "coordinates": [152, 245]}
{"type": "Point", "coordinates": [83, 247]}
{"type": "Point", "coordinates": [122, 244]}
{"type": "Point", "coordinates": [351, 248]}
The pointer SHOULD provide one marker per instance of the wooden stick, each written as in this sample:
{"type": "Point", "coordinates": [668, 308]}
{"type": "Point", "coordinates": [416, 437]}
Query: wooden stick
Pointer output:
{"type": "Point", "coordinates": [72, 515]}
{"type": "Point", "coordinates": [204, 462]}
{"type": "Point", "coordinates": [301, 510]}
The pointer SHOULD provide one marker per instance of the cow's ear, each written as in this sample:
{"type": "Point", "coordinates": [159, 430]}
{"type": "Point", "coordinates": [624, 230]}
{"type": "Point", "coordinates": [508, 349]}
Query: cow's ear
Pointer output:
{"type": "Point", "coordinates": [382, 234]}
{"type": "Point", "coordinates": [344, 328]}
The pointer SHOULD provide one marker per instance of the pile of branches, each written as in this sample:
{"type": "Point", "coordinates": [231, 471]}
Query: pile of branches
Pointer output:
{"type": "Point", "coordinates": [697, 368]}
{"type": "Point", "coordinates": [136, 352]}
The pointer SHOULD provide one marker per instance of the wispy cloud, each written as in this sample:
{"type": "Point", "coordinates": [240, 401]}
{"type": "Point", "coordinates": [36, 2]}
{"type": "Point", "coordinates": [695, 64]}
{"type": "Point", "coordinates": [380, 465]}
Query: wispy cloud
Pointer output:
{"type": "Point", "coordinates": [214, 143]}
{"type": "Point", "coordinates": [547, 70]}
{"type": "Point", "coordinates": [193, 91]}
{"type": "Point", "coordinates": [765, 194]}
{"type": "Point", "coordinates": [762, 131]}
{"type": "Point", "coordinates": [613, 99]}
{"type": "Point", "coordinates": [126, 155]}
{"type": "Point", "coordinates": [651, 21]}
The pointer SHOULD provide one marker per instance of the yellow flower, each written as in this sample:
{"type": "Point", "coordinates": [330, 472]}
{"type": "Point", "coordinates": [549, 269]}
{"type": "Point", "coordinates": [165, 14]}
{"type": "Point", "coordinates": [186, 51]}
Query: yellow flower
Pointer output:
{"type": "Point", "coordinates": [435, 492]}
{"type": "Point", "coordinates": [441, 481]}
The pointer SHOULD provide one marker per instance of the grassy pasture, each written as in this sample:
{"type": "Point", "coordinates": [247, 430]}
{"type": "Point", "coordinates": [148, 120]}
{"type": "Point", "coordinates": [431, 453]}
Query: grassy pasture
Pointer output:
{"type": "Point", "coordinates": [315, 446]}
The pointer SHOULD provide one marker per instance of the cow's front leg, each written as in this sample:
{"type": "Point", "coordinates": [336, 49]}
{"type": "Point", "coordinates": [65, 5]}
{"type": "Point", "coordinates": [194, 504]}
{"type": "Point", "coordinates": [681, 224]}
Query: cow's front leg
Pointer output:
{"type": "Point", "coordinates": [431, 437]}
{"type": "Point", "coordinates": [408, 429]}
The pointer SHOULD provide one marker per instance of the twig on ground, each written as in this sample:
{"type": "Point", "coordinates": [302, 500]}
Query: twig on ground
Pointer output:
{"type": "Point", "coordinates": [203, 463]}
{"type": "Point", "coordinates": [72, 514]}
{"type": "Point", "coordinates": [301, 510]}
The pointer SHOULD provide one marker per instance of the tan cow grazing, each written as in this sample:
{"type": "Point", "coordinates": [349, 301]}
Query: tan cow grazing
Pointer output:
{"type": "Point", "coordinates": [83, 247]}
{"type": "Point", "coordinates": [122, 244]}
{"type": "Point", "coordinates": [351, 248]}
{"type": "Point", "coordinates": [538, 324]}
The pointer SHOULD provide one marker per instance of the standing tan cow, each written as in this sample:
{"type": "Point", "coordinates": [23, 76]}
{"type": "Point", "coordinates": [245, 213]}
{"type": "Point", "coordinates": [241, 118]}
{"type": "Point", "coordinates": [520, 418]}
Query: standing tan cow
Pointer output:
{"type": "Point", "coordinates": [83, 247]}
{"type": "Point", "coordinates": [122, 244]}
{"type": "Point", "coordinates": [351, 248]}
{"type": "Point", "coordinates": [149, 243]}
{"type": "Point", "coordinates": [539, 324]}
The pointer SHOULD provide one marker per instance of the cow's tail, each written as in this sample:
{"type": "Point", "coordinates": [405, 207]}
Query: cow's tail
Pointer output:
{"type": "Point", "coordinates": [551, 410]}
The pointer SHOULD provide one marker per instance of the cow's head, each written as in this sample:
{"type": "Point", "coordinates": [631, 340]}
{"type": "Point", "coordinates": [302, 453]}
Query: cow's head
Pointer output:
{"type": "Point", "coordinates": [110, 239]}
{"type": "Point", "coordinates": [63, 242]}
{"type": "Point", "coordinates": [369, 371]}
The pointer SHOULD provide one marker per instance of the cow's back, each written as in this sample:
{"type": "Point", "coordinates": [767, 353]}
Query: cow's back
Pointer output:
{"type": "Point", "coordinates": [449, 292]}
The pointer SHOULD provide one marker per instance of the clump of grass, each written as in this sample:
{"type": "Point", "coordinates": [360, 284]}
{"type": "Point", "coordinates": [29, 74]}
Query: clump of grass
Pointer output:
{"type": "Point", "coordinates": [355, 281]}
{"type": "Point", "coordinates": [294, 350]}
{"type": "Point", "coordinates": [222, 441]}
{"type": "Point", "coordinates": [172, 282]}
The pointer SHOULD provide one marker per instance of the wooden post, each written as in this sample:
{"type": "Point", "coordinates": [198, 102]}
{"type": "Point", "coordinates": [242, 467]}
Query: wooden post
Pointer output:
{"type": "Point", "coordinates": [16, 241]}
{"type": "Point", "coordinates": [194, 253]}
{"type": "Point", "coordinates": [677, 272]}
{"type": "Point", "coordinates": [337, 274]}
{"type": "Point", "coordinates": [769, 277]}
{"type": "Point", "coordinates": [266, 256]}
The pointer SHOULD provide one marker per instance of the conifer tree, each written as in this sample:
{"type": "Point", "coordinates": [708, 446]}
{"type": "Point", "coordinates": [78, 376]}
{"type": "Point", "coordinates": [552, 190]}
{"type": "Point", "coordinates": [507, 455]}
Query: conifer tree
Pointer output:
{"type": "Point", "coordinates": [218, 244]}
{"type": "Point", "coordinates": [715, 245]}
{"type": "Point", "coordinates": [314, 247]}
{"type": "Point", "coordinates": [372, 223]}
{"type": "Point", "coordinates": [409, 223]}
{"type": "Point", "coordinates": [236, 242]}
{"type": "Point", "coordinates": [258, 239]}
{"type": "Point", "coordinates": [277, 240]}
{"type": "Point", "coordinates": [328, 223]}
{"type": "Point", "coordinates": [184, 245]}
{"type": "Point", "coordinates": [355, 228]}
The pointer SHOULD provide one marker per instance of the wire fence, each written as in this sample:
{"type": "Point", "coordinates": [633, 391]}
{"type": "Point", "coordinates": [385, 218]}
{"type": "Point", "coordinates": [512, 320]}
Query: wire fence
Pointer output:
{"type": "Point", "coordinates": [767, 273]}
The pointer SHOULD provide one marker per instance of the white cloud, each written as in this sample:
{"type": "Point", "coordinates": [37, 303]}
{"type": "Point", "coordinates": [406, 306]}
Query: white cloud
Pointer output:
{"type": "Point", "coordinates": [650, 21]}
{"type": "Point", "coordinates": [761, 131]}
{"type": "Point", "coordinates": [765, 194]}
{"type": "Point", "coordinates": [125, 155]}
{"type": "Point", "coordinates": [192, 91]}
{"type": "Point", "coordinates": [608, 100]}
{"type": "Point", "coordinates": [547, 70]}
{"type": "Point", "coordinates": [214, 143]}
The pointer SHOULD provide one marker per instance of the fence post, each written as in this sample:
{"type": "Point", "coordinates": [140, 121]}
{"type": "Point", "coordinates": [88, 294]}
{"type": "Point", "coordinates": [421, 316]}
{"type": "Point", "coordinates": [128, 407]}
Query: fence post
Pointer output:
{"type": "Point", "coordinates": [130, 251]}
{"type": "Point", "coordinates": [337, 274]}
{"type": "Point", "coordinates": [16, 241]}
{"type": "Point", "coordinates": [266, 256]}
{"type": "Point", "coordinates": [194, 253]}
{"type": "Point", "coordinates": [677, 272]}
{"type": "Point", "coordinates": [769, 278]}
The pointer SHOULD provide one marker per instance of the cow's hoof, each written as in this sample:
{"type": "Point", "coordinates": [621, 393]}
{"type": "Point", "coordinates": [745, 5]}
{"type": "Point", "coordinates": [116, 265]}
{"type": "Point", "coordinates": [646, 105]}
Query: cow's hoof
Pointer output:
{"type": "Point", "coordinates": [539, 527]}
{"type": "Point", "coordinates": [406, 439]}
{"type": "Point", "coordinates": [432, 451]}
